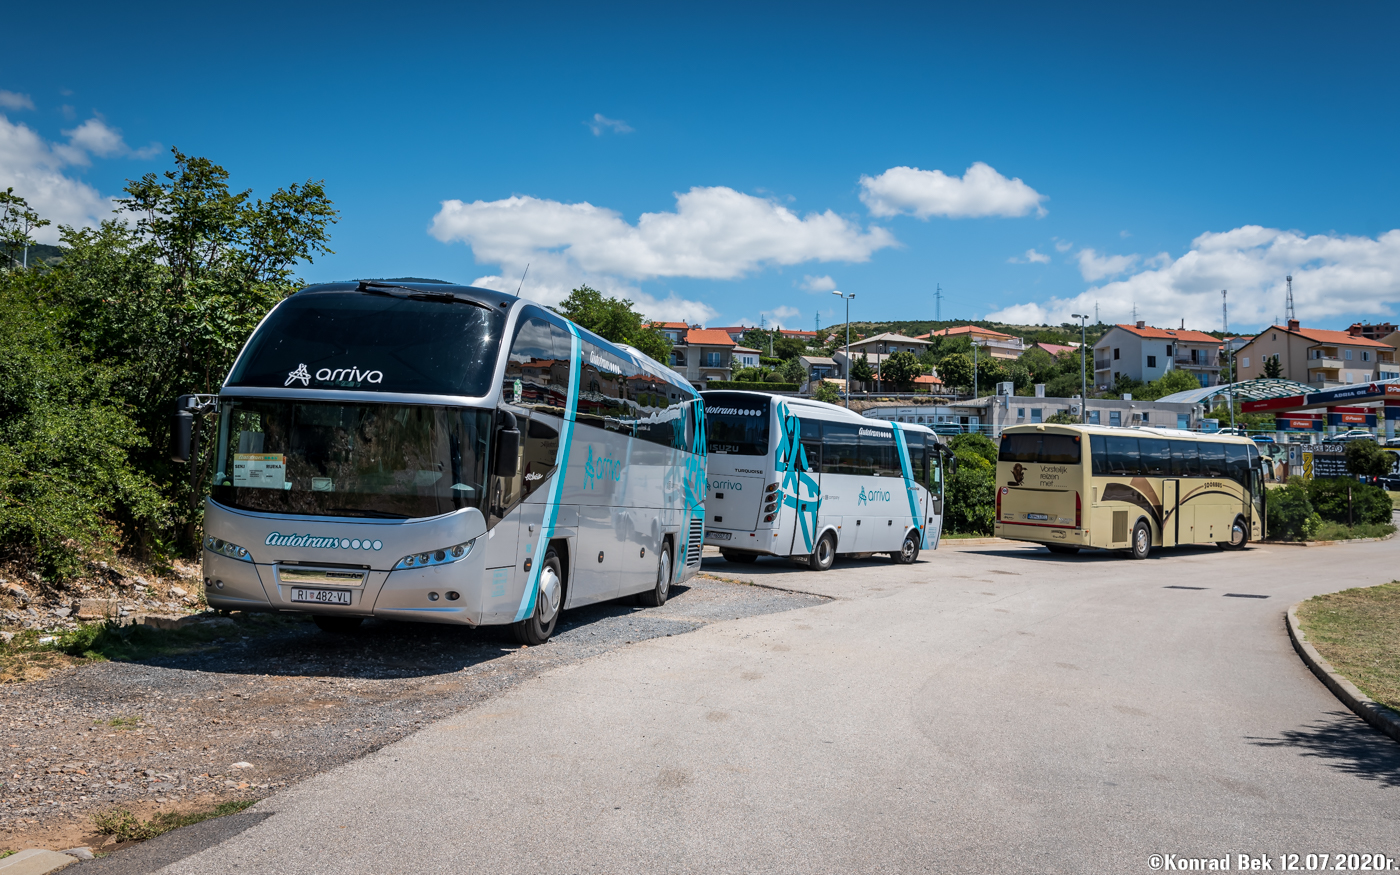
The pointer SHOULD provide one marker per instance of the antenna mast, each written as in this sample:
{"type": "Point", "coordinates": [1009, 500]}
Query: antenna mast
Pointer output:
{"type": "Point", "coordinates": [1288, 307]}
{"type": "Point", "coordinates": [938, 302]}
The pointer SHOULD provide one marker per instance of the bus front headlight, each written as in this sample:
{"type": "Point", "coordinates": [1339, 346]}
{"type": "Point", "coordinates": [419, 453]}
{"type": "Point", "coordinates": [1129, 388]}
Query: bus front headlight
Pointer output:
{"type": "Point", "coordinates": [429, 558]}
{"type": "Point", "coordinates": [224, 548]}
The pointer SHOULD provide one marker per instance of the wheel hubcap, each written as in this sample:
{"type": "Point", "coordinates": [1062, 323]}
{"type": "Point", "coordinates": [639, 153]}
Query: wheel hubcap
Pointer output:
{"type": "Point", "coordinates": [663, 576]}
{"type": "Point", "coordinates": [909, 550]}
{"type": "Point", "coordinates": [824, 551]}
{"type": "Point", "coordinates": [1237, 535]}
{"type": "Point", "coordinates": [549, 595]}
{"type": "Point", "coordinates": [1142, 541]}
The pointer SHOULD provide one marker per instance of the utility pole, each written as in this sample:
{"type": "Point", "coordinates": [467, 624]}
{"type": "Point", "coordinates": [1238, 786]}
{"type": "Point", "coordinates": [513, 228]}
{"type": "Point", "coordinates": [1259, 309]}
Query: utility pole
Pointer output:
{"type": "Point", "coordinates": [1288, 305]}
{"type": "Point", "coordinates": [938, 303]}
{"type": "Point", "coordinates": [1096, 313]}
{"type": "Point", "coordinates": [1229, 351]}
{"type": "Point", "coordinates": [975, 344]}
{"type": "Point", "coordinates": [1083, 369]}
{"type": "Point", "coordinates": [848, 343]}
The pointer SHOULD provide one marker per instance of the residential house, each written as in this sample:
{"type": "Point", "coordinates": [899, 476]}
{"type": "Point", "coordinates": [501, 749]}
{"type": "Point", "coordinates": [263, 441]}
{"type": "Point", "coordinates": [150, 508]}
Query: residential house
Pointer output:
{"type": "Point", "coordinates": [704, 354]}
{"type": "Point", "coordinates": [1054, 348]}
{"type": "Point", "coordinates": [1143, 352]}
{"type": "Point", "coordinates": [993, 343]}
{"type": "Point", "coordinates": [1370, 331]}
{"type": "Point", "coordinates": [991, 414]}
{"type": "Point", "coordinates": [744, 357]}
{"type": "Point", "coordinates": [735, 332]}
{"type": "Point", "coordinates": [1389, 370]}
{"type": "Point", "coordinates": [820, 367]}
{"type": "Point", "coordinates": [1318, 357]}
{"type": "Point", "coordinates": [879, 347]}
{"type": "Point", "coordinates": [674, 331]}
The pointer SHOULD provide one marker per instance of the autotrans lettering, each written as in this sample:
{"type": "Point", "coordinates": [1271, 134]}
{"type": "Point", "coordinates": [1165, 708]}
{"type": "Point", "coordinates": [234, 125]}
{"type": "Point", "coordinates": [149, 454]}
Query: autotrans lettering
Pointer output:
{"type": "Point", "coordinates": [873, 432]}
{"type": "Point", "coordinates": [601, 468]}
{"type": "Point", "coordinates": [277, 539]}
{"type": "Point", "coordinates": [731, 485]}
{"type": "Point", "coordinates": [735, 411]}
{"type": "Point", "coordinates": [868, 495]}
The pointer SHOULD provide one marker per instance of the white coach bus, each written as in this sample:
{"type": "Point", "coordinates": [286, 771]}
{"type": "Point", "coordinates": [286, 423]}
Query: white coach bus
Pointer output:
{"type": "Point", "coordinates": [799, 478]}
{"type": "Point", "coordinates": [446, 454]}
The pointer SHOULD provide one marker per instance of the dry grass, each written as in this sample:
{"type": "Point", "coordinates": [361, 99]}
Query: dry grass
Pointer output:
{"type": "Point", "coordinates": [1358, 631]}
{"type": "Point", "coordinates": [124, 826]}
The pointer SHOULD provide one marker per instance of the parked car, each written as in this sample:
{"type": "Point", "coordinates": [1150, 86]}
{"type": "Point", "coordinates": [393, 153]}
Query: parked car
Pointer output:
{"type": "Point", "coordinates": [1391, 483]}
{"type": "Point", "coordinates": [1393, 442]}
{"type": "Point", "coordinates": [1263, 439]}
{"type": "Point", "coordinates": [1356, 434]}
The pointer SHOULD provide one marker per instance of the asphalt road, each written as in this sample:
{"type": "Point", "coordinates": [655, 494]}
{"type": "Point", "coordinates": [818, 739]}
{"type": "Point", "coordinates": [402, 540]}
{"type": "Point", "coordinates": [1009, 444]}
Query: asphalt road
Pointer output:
{"type": "Point", "coordinates": [986, 710]}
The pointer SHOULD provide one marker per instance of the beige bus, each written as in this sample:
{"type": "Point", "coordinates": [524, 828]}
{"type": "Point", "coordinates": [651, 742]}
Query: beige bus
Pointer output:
{"type": "Point", "coordinates": [1073, 487]}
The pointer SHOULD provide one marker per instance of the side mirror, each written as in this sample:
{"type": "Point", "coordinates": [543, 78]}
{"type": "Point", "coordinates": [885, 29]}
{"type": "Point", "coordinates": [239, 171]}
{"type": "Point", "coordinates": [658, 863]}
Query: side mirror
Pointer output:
{"type": "Point", "coordinates": [181, 435]}
{"type": "Point", "coordinates": [507, 446]}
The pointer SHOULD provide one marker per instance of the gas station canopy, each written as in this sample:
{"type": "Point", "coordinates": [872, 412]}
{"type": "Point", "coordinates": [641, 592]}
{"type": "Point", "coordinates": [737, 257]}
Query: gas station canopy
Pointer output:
{"type": "Point", "coordinates": [1245, 390]}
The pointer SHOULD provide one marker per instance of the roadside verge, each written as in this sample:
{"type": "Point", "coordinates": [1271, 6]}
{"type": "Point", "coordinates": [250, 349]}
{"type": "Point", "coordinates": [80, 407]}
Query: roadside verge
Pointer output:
{"type": "Point", "coordinates": [1367, 709]}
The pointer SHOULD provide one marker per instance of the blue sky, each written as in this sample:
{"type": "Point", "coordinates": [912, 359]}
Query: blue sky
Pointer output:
{"type": "Point", "coordinates": [1163, 152]}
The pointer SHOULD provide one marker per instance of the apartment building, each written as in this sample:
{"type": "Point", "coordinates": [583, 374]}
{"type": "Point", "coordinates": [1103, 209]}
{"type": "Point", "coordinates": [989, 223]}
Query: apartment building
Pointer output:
{"type": "Point", "coordinates": [877, 348]}
{"type": "Point", "coordinates": [1322, 358]}
{"type": "Point", "coordinates": [703, 354]}
{"type": "Point", "coordinates": [1143, 352]}
{"type": "Point", "coordinates": [993, 343]}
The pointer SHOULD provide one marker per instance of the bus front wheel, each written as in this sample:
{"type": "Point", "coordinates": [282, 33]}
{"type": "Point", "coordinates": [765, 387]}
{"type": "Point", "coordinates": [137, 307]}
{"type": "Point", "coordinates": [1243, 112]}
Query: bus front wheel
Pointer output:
{"type": "Point", "coordinates": [908, 551]}
{"type": "Point", "coordinates": [535, 629]}
{"type": "Point", "coordinates": [1142, 540]}
{"type": "Point", "coordinates": [823, 554]}
{"type": "Point", "coordinates": [1239, 536]}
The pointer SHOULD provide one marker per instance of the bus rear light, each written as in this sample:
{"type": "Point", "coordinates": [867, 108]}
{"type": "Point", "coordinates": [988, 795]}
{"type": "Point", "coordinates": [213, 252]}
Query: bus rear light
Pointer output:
{"type": "Point", "coordinates": [1000, 493]}
{"type": "Point", "coordinates": [1078, 508]}
{"type": "Point", "coordinates": [772, 487]}
{"type": "Point", "coordinates": [772, 505]}
{"type": "Point", "coordinates": [770, 517]}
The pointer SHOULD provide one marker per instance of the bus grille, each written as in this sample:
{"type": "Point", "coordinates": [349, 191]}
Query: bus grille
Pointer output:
{"type": "Point", "coordinates": [696, 543]}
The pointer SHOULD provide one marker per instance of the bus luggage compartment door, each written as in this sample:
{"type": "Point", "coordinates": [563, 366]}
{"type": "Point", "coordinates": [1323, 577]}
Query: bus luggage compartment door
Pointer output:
{"type": "Point", "coordinates": [732, 502]}
{"type": "Point", "coordinates": [1171, 516]}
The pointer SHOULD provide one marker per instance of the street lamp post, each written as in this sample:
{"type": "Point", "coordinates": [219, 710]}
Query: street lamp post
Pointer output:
{"type": "Point", "coordinates": [848, 343]}
{"type": "Point", "coordinates": [975, 344]}
{"type": "Point", "coordinates": [1083, 370]}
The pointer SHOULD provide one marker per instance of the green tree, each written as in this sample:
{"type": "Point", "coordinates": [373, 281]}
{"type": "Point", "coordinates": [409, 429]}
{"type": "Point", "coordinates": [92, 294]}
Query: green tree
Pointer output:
{"type": "Point", "coordinates": [792, 371]}
{"type": "Point", "coordinates": [861, 370]}
{"type": "Point", "coordinates": [955, 369]}
{"type": "Point", "coordinates": [17, 223]}
{"type": "Point", "coordinates": [827, 392]}
{"type": "Point", "coordinates": [1171, 382]}
{"type": "Point", "coordinates": [1272, 366]}
{"type": "Point", "coordinates": [1289, 513]}
{"type": "Point", "coordinates": [1063, 418]}
{"type": "Point", "coordinates": [971, 506]}
{"type": "Point", "coordinates": [900, 368]}
{"type": "Point", "coordinates": [614, 319]}
{"type": "Point", "coordinates": [788, 348]}
{"type": "Point", "coordinates": [1367, 459]}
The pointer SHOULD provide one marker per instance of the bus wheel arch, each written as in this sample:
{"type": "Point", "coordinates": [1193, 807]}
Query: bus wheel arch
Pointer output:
{"type": "Point", "coordinates": [908, 551]}
{"type": "Point", "coordinates": [1141, 544]}
{"type": "Point", "coordinates": [1239, 535]}
{"type": "Point", "coordinates": [665, 576]}
{"type": "Point", "coordinates": [823, 554]}
{"type": "Point", "coordinates": [535, 629]}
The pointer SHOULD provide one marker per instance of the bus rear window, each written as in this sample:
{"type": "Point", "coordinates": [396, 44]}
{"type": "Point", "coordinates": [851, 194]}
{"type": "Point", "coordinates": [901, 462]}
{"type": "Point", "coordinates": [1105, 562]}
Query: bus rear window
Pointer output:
{"type": "Point", "coordinates": [1046, 449]}
{"type": "Point", "coordinates": [736, 425]}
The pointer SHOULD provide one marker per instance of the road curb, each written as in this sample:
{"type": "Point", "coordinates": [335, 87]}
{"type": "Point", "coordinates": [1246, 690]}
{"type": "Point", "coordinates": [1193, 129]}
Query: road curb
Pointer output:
{"type": "Point", "coordinates": [1366, 708]}
{"type": "Point", "coordinates": [975, 542]}
{"type": "Point", "coordinates": [1328, 543]}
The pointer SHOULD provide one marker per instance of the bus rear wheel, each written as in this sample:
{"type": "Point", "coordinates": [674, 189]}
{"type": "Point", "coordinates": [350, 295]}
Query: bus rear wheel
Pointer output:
{"type": "Point", "coordinates": [656, 597]}
{"type": "Point", "coordinates": [1239, 536]}
{"type": "Point", "coordinates": [823, 554]}
{"type": "Point", "coordinates": [738, 556]}
{"type": "Point", "coordinates": [337, 625]}
{"type": "Point", "coordinates": [1142, 540]}
{"type": "Point", "coordinates": [1061, 548]}
{"type": "Point", "coordinates": [908, 551]}
{"type": "Point", "coordinates": [535, 629]}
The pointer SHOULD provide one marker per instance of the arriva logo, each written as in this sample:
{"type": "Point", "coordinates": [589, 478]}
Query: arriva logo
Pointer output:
{"type": "Point", "coordinates": [731, 485]}
{"type": "Point", "coordinates": [601, 468]}
{"type": "Point", "coordinates": [277, 539]}
{"type": "Point", "coordinates": [872, 495]}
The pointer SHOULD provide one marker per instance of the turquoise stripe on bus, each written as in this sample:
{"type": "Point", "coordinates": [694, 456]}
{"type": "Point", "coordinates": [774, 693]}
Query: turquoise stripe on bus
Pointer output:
{"type": "Point", "coordinates": [904, 468]}
{"type": "Point", "coordinates": [556, 489]}
{"type": "Point", "coordinates": [790, 462]}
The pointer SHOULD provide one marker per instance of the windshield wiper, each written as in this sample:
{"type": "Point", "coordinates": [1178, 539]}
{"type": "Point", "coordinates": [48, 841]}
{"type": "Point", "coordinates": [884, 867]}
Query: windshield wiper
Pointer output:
{"type": "Point", "coordinates": [377, 514]}
{"type": "Point", "coordinates": [375, 288]}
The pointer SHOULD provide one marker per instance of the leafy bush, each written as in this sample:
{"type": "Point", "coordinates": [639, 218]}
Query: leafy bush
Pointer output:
{"type": "Point", "coordinates": [1341, 532]}
{"type": "Point", "coordinates": [971, 504]}
{"type": "Point", "coordinates": [1367, 459]}
{"type": "Point", "coordinates": [1369, 504]}
{"type": "Point", "coordinates": [1289, 513]}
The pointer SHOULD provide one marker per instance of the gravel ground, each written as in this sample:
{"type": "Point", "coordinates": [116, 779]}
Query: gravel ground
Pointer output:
{"type": "Point", "coordinates": [286, 699]}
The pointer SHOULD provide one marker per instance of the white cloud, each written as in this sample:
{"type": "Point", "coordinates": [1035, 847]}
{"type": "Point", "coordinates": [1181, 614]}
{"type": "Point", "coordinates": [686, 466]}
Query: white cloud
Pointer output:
{"type": "Point", "coordinates": [818, 283]}
{"type": "Point", "coordinates": [12, 100]}
{"type": "Point", "coordinates": [601, 123]}
{"type": "Point", "coordinates": [34, 168]}
{"type": "Point", "coordinates": [1095, 267]}
{"type": "Point", "coordinates": [715, 233]}
{"type": "Point", "coordinates": [1125, 234]}
{"type": "Point", "coordinates": [980, 192]}
{"type": "Point", "coordinates": [1332, 275]}
{"type": "Point", "coordinates": [1031, 257]}
{"type": "Point", "coordinates": [780, 315]}
{"type": "Point", "coordinates": [1063, 245]}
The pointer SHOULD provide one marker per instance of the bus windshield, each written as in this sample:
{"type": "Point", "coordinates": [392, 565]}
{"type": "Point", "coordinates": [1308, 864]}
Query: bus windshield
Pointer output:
{"type": "Point", "coordinates": [361, 460]}
{"type": "Point", "coordinates": [374, 343]}
{"type": "Point", "coordinates": [736, 425]}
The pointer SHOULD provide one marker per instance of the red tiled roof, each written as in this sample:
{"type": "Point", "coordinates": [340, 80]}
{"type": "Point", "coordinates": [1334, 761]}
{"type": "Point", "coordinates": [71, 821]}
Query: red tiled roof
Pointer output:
{"type": "Point", "coordinates": [674, 326]}
{"type": "Point", "coordinates": [786, 333]}
{"type": "Point", "coordinates": [1322, 335]}
{"type": "Point", "coordinates": [708, 337]}
{"type": "Point", "coordinates": [928, 378]}
{"type": "Point", "coordinates": [1171, 334]}
{"type": "Point", "coordinates": [1055, 348]}
{"type": "Point", "coordinates": [962, 329]}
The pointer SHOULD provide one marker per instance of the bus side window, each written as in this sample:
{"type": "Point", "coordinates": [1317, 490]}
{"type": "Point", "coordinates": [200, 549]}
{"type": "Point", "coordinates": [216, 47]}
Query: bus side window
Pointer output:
{"type": "Point", "coordinates": [1212, 459]}
{"type": "Point", "coordinates": [1185, 462]}
{"type": "Point", "coordinates": [539, 451]}
{"type": "Point", "coordinates": [1237, 463]}
{"type": "Point", "coordinates": [1124, 459]}
{"type": "Point", "coordinates": [1098, 453]}
{"type": "Point", "coordinates": [530, 365]}
{"type": "Point", "coordinates": [914, 442]}
{"type": "Point", "coordinates": [811, 437]}
{"type": "Point", "coordinates": [1156, 456]}
{"type": "Point", "coordinates": [840, 445]}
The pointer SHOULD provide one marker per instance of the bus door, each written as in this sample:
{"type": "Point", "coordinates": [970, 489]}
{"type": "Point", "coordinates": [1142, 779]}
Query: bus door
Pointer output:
{"type": "Point", "coordinates": [933, 501]}
{"type": "Point", "coordinates": [807, 514]}
{"type": "Point", "coordinates": [1171, 513]}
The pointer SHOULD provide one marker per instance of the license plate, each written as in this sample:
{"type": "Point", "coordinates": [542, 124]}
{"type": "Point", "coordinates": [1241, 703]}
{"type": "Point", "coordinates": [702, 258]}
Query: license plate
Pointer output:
{"type": "Point", "coordinates": [1038, 516]}
{"type": "Point", "coordinates": [719, 536]}
{"type": "Point", "coordinates": [321, 596]}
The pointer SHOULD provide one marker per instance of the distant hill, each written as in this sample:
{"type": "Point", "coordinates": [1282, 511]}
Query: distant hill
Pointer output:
{"type": "Point", "coordinates": [38, 254]}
